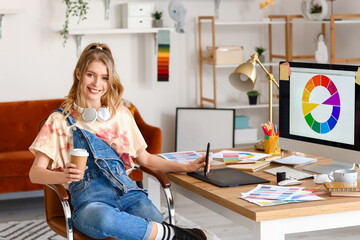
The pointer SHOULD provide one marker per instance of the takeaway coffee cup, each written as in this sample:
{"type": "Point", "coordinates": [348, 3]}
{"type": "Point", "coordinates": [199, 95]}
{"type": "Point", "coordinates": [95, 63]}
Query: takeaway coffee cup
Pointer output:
{"type": "Point", "coordinates": [79, 157]}
{"type": "Point", "coordinates": [343, 175]}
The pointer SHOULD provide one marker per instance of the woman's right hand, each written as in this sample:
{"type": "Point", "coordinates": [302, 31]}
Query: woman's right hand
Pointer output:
{"type": "Point", "coordinates": [71, 173]}
{"type": "Point", "coordinates": [39, 172]}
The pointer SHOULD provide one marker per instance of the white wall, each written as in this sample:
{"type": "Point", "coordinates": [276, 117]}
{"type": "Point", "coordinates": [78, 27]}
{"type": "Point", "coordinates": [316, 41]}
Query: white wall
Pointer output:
{"type": "Point", "coordinates": [34, 64]}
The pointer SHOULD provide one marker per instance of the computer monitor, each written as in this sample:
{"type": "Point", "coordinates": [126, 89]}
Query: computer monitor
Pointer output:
{"type": "Point", "coordinates": [319, 111]}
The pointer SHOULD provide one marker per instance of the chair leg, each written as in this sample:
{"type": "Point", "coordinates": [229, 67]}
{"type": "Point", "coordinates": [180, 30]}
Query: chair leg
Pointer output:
{"type": "Point", "coordinates": [67, 212]}
{"type": "Point", "coordinates": [68, 220]}
{"type": "Point", "coordinates": [170, 204]}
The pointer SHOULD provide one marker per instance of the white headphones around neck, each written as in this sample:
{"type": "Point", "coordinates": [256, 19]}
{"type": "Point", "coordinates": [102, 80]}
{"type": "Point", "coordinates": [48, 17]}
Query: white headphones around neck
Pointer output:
{"type": "Point", "coordinates": [90, 114]}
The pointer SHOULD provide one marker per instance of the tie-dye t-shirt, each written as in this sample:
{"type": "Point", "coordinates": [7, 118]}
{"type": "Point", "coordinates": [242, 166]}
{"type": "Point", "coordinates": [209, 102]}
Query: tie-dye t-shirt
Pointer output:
{"type": "Point", "coordinates": [121, 133]}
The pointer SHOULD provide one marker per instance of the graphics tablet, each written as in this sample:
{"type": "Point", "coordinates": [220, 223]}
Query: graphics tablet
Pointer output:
{"type": "Point", "coordinates": [227, 177]}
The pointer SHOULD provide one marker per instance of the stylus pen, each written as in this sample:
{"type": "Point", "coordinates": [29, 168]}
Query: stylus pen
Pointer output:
{"type": "Point", "coordinates": [207, 159]}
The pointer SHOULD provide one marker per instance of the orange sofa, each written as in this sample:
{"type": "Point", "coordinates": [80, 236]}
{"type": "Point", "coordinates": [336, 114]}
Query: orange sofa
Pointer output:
{"type": "Point", "coordinates": [19, 124]}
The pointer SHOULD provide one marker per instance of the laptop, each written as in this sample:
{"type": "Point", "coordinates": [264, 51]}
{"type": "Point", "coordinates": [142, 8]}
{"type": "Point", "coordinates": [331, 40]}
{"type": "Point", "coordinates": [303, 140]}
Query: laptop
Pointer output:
{"type": "Point", "coordinates": [227, 177]}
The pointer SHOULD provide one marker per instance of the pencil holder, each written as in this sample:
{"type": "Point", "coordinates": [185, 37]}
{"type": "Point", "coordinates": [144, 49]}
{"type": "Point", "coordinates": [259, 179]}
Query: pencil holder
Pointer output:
{"type": "Point", "coordinates": [272, 145]}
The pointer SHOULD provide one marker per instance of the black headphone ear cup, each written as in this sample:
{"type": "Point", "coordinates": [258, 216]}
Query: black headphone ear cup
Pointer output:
{"type": "Point", "coordinates": [89, 115]}
{"type": "Point", "coordinates": [103, 114]}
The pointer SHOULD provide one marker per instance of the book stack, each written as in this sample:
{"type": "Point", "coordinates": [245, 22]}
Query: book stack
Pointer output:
{"type": "Point", "coordinates": [252, 167]}
{"type": "Point", "coordinates": [343, 189]}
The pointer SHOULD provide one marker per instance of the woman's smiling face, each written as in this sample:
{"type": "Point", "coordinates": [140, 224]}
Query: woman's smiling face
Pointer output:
{"type": "Point", "coordinates": [94, 84]}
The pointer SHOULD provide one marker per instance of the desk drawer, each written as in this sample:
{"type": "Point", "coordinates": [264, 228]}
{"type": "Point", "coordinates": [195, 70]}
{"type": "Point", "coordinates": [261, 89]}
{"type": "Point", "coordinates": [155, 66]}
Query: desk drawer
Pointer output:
{"type": "Point", "coordinates": [137, 22]}
{"type": "Point", "coordinates": [137, 9]}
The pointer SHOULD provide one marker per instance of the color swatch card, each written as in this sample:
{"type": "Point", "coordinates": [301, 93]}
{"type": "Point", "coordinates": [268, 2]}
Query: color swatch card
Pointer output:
{"type": "Point", "coordinates": [163, 55]}
{"type": "Point", "coordinates": [270, 195]}
{"type": "Point", "coordinates": [181, 156]}
{"type": "Point", "coordinates": [237, 156]}
{"type": "Point", "coordinates": [272, 192]}
{"type": "Point", "coordinates": [187, 156]}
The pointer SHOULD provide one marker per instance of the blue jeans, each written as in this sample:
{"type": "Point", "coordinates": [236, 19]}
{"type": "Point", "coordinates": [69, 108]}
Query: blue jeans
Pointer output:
{"type": "Point", "coordinates": [106, 202]}
{"type": "Point", "coordinates": [102, 212]}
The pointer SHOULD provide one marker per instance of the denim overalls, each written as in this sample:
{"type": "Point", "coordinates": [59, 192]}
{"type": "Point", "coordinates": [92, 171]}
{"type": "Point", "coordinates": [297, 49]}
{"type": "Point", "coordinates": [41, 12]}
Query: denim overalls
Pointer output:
{"type": "Point", "coordinates": [106, 202]}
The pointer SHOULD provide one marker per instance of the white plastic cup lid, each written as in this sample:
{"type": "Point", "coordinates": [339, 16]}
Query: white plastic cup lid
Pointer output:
{"type": "Point", "coordinates": [80, 152]}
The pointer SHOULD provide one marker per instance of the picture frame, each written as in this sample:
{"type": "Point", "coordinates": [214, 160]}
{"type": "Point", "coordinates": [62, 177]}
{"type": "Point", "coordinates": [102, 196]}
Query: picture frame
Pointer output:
{"type": "Point", "coordinates": [195, 127]}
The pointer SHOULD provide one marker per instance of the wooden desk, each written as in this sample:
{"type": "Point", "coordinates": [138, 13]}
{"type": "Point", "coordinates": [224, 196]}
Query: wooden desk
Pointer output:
{"type": "Point", "coordinates": [271, 222]}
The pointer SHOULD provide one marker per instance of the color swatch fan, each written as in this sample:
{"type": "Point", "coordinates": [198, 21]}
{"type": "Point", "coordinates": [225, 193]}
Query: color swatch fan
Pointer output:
{"type": "Point", "coordinates": [177, 12]}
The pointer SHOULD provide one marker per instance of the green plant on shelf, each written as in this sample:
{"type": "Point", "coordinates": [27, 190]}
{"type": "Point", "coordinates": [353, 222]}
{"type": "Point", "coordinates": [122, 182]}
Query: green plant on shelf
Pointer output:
{"type": "Point", "coordinates": [157, 15]}
{"type": "Point", "coordinates": [316, 8]}
{"type": "Point", "coordinates": [260, 50]}
{"type": "Point", "coordinates": [253, 93]}
{"type": "Point", "coordinates": [77, 8]}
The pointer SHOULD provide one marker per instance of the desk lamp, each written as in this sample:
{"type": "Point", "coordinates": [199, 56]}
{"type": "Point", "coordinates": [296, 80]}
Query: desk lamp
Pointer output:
{"type": "Point", "coordinates": [244, 78]}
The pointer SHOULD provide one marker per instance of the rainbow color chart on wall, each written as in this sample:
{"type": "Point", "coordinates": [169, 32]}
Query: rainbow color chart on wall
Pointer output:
{"type": "Point", "coordinates": [328, 103]}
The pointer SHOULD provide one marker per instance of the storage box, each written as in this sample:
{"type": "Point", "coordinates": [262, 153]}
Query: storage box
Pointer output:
{"type": "Point", "coordinates": [247, 135]}
{"type": "Point", "coordinates": [137, 15]}
{"type": "Point", "coordinates": [231, 55]}
{"type": "Point", "coordinates": [241, 122]}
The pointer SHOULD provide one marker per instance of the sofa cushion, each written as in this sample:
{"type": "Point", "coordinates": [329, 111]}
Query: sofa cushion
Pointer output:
{"type": "Point", "coordinates": [20, 122]}
{"type": "Point", "coordinates": [17, 184]}
{"type": "Point", "coordinates": [16, 163]}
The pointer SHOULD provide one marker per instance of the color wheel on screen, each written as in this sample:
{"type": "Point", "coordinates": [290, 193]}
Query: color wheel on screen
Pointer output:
{"type": "Point", "coordinates": [330, 100]}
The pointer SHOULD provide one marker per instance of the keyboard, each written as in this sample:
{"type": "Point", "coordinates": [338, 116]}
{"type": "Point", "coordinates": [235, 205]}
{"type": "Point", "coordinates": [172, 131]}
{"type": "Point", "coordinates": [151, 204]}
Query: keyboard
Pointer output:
{"type": "Point", "coordinates": [291, 173]}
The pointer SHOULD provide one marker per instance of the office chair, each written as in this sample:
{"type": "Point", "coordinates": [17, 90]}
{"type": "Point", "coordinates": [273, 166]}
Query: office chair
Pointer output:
{"type": "Point", "coordinates": [58, 207]}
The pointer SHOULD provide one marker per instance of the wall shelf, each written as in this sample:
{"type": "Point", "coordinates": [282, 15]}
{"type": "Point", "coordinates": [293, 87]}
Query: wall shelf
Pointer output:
{"type": "Point", "coordinates": [231, 23]}
{"type": "Point", "coordinates": [335, 19]}
{"type": "Point", "coordinates": [234, 105]}
{"type": "Point", "coordinates": [115, 31]}
{"type": "Point", "coordinates": [79, 33]}
{"type": "Point", "coordinates": [269, 64]}
{"type": "Point", "coordinates": [4, 12]}
{"type": "Point", "coordinates": [211, 61]}
{"type": "Point", "coordinates": [255, 112]}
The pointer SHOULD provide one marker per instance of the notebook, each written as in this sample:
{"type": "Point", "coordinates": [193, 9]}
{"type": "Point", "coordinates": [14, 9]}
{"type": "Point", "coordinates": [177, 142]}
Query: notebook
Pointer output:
{"type": "Point", "coordinates": [295, 161]}
{"type": "Point", "coordinates": [250, 166]}
{"type": "Point", "coordinates": [342, 186]}
{"type": "Point", "coordinates": [227, 177]}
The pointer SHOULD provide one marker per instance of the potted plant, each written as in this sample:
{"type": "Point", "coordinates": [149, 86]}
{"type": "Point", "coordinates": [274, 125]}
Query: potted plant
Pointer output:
{"type": "Point", "coordinates": [253, 94]}
{"type": "Point", "coordinates": [157, 22]}
{"type": "Point", "coordinates": [315, 11]}
{"type": "Point", "coordinates": [316, 8]}
{"type": "Point", "coordinates": [260, 51]}
{"type": "Point", "coordinates": [76, 8]}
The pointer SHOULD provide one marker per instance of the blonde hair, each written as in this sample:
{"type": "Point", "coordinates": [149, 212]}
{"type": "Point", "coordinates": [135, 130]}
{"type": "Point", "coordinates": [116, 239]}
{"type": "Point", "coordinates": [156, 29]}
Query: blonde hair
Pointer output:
{"type": "Point", "coordinates": [112, 98]}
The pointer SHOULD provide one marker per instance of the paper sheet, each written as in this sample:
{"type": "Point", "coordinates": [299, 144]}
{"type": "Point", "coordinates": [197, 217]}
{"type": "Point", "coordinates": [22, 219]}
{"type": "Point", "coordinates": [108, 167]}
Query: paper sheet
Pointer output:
{"type": "Point", "coordinates": [270, 195]}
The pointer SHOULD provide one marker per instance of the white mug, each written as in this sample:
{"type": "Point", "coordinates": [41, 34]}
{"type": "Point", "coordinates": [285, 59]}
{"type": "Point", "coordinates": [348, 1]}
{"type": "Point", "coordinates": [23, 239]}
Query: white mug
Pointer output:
{"type": "Point", "coordinates": [343, 175]}
{"type": "Point", "coordinates": [321, 178]}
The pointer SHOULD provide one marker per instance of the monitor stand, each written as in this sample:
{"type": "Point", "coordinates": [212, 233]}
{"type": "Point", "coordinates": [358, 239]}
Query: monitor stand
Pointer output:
{"type": "Point", "coordinates": [326, 169]}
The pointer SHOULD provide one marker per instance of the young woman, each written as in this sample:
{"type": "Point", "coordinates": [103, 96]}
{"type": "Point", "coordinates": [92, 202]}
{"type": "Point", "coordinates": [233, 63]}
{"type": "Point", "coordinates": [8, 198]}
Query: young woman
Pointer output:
{"type": "Point", "coordinates": [106, 202]}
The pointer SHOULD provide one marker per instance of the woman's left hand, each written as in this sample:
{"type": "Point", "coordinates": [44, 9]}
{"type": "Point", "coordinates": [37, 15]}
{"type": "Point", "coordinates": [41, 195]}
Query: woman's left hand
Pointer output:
{"type": "Point", "coordinates": [197, 164]}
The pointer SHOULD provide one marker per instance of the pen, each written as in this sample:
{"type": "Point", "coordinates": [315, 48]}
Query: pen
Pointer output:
{"type": "Point", "coordinates": [207, 159]}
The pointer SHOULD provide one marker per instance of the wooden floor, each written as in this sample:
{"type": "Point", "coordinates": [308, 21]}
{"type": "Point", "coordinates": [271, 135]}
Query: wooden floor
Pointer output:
{"type": "Point", "coordinates": [32, 208]}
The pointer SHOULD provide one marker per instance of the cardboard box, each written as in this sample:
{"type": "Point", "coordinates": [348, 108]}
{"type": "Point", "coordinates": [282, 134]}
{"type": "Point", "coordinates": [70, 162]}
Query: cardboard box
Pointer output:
{"type": "Point", "coordinates": [245, 135]}
{"type": "Point", "coordinates": [241, 122]}
{"type": "Point", "coordinates": [231, 55]}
